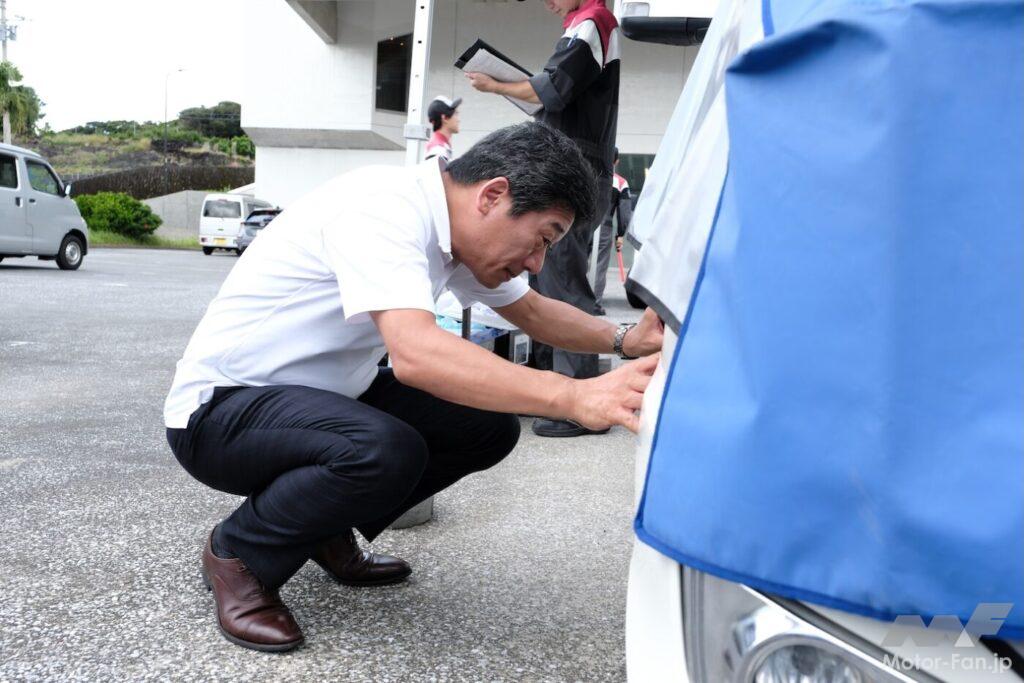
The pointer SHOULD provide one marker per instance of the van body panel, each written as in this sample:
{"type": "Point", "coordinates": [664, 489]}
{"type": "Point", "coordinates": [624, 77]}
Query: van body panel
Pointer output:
{"type": "Point", "coordinates": [35, 212]}
{"type": "Point", "coordinates": [50, 214]}
{"type": "Point", "coordinates": [15, 232]}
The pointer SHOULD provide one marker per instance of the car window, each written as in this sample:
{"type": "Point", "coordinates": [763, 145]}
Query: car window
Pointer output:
{"type": "Point", "coordinates": [8, 171]}
{"type": "Point", "coordinates": [222, 208]}
{"type": "Point", "coordinates": [41, 178]}
{"type": "Point", "coordinates": [262, 205]}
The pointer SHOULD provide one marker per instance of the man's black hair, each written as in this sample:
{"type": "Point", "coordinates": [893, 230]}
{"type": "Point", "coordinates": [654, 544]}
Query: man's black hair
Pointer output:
{"type": "Point", "coordinates": [438, 109]}
{"type": "Point", "coordinates": [435, 116]}
{"type": "Point", "coordinates": [544, 169]}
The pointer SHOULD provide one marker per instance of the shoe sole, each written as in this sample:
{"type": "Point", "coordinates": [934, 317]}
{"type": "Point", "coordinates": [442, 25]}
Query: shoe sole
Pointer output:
{"type": "Point", "coordinates": [248, 644]}
{"type": "Point", "coordinates": [365, 584]}
{"type": "Point", "coordinates": [556, 434]}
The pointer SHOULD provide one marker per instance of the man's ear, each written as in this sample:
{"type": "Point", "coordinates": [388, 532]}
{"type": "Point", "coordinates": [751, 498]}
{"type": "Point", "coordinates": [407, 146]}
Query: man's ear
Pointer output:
{"type": "Point", "coordinates": [490, 193]}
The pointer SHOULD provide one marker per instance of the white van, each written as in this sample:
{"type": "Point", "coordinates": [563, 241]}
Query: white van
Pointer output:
{"type": "Point", "coordinates": [220, 222]}
{"type": "Point", "coordinates": [37, 215]}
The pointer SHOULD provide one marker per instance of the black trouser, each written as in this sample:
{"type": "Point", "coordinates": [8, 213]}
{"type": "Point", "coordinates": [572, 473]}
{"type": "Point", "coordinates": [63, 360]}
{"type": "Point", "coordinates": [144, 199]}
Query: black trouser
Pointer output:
{"type": "Point", "coordinates": [605, 239]}
{"type": "Point", "coordinates": [313, 463]}
{"type": "Point", "coordinates": [564, 277]}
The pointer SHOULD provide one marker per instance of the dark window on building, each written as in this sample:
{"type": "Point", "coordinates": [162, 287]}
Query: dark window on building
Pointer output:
{"type": "Point", "coordinates": [394, 62]}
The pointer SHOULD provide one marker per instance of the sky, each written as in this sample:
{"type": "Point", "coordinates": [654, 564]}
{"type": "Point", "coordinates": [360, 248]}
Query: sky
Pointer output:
{"type": "Point", "coordinates": [99, 60]}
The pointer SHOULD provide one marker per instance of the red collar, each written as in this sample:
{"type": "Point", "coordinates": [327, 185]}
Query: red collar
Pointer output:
{"type": "Point", "coordinates": [586, 10]}
{"type": "Point", "coordinates": [595, 11]}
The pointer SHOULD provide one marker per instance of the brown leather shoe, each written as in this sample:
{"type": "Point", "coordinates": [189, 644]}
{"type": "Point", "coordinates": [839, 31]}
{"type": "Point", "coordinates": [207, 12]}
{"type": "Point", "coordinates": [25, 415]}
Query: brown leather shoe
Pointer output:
{"type": "Point", "coordinates": [343, 560]}
{"type": "Point", "coordinates": [247, 613]}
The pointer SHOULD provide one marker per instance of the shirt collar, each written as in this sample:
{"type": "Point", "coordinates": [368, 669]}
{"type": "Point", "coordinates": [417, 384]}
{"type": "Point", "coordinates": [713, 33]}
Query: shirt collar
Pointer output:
{"type": "Point", "coordinates": [584, 6]}
{"type": "Point", "coordinates": [433, 189]}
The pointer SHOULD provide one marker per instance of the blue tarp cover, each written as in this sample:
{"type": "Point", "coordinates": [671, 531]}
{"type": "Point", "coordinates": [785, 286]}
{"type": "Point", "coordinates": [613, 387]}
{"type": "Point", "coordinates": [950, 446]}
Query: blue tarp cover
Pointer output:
{"type": "Point", "coordinates": [844, 416]}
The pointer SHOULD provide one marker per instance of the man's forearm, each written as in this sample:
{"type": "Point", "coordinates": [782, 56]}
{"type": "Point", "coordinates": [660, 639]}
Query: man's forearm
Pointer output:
{"type": "Point", "coordinates": [574, 330]}
{"type": "Point", "coordinates": [459, 371]}
{"type": "Point", "coordinates": [521, 90]}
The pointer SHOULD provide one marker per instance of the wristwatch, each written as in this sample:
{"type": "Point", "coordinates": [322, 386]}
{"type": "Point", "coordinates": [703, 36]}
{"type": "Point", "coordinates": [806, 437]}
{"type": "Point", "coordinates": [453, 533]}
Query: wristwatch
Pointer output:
{"type": "Point", "coordinates": [620, 336]}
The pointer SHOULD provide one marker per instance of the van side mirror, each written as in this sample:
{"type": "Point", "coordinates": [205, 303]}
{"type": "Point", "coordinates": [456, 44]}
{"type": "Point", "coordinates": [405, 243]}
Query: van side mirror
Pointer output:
{"type": "Point", "coordinates": [67, 190]}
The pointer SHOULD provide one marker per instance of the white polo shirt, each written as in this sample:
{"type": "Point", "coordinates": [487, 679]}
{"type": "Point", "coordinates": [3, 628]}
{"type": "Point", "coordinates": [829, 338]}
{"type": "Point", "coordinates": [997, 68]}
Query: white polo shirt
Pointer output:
{"type": "Point", "coordinates": [295, 309]}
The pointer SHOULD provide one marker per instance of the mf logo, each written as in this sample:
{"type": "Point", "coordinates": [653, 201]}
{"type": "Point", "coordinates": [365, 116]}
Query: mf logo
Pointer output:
{"type": "Point", "coordinates": [987, 619]}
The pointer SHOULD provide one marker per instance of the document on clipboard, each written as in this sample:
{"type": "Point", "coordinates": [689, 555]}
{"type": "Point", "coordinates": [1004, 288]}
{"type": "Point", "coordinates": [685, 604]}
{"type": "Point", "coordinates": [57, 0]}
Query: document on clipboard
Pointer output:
{"type": "Point", "coordinates": [483, 58]}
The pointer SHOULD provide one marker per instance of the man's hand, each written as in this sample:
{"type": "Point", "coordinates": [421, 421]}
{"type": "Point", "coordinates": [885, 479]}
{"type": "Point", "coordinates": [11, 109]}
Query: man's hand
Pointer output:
{"type": "Point", "coordinates": [482, 82]}
{"type": "Point", "coordinates": [521, 90]}
{"type": "Point", "coordinates": [613, 398]}
{"type": "Point", "coordinates": [646, 337]}
{"type": "Point", "coordinates": [618, 243]}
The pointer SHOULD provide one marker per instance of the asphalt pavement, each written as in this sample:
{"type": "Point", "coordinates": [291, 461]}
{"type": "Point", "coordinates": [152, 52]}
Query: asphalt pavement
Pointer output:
{"type": "Point", "coordinates": [521, 575]}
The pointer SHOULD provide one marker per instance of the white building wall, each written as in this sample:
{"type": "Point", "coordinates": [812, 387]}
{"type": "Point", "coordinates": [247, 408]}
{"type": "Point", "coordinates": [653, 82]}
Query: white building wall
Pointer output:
{"type": "Point", "coordinates": [316, 99]}
{"type": "Point", "coordinates": [284, 174]}
{"type": "Point", "coordinates": [295, 80]}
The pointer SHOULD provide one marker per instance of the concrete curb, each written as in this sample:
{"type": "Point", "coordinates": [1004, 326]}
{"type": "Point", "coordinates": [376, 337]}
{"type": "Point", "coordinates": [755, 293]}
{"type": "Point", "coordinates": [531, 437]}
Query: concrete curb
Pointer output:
{"type": "Point", "coordinates": [141, 246]}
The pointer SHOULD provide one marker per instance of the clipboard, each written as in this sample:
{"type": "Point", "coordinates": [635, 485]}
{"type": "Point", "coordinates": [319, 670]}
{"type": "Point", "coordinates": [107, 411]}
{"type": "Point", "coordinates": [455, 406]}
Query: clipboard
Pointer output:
{"type": "Point", "coordinates": [483, 58]}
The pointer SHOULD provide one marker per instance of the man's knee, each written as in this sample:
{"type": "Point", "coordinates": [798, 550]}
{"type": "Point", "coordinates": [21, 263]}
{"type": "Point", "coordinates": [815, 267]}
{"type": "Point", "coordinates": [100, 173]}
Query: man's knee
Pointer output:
{"type": "Point", "coordinates": [501, 434]}
{"type": "Point", "coordinates": [391, 459]}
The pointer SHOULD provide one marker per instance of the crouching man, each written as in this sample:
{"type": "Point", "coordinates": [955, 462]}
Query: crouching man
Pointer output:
{"type": "Point", "coordinates": [279, 396]}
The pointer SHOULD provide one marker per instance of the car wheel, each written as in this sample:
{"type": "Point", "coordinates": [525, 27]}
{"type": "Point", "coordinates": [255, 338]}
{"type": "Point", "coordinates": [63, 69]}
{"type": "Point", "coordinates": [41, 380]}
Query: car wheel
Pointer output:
{"type": "Point", "coordinates": [238, 252]}
{"type": "Point", "coordinates": [70, 255]}
{"type": "Point", "coordinates": [207, 250]}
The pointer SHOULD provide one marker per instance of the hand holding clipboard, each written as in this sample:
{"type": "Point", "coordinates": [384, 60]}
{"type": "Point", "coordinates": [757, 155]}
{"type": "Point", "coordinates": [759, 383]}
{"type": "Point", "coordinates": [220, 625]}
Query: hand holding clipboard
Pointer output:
{"type": "Point", "coordinates": [483, 58]}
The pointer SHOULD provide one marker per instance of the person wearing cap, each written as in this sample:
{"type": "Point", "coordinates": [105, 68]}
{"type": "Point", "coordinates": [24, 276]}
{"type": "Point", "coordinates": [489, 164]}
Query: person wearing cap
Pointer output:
{"type": "Point", "coordinates": [279, 396]}
{"type": "Point", "coordinates": [579, 91]}
{"type": "Point", "coordinates": [443, 114]}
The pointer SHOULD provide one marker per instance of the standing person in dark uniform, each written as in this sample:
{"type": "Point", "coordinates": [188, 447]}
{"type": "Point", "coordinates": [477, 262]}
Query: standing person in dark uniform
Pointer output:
{"type": "Point", "coordinates": [579, 88]}
{"type": "Point", "coordinates": [621, 209]}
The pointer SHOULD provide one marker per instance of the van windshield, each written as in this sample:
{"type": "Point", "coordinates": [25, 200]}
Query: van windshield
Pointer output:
{"type": "Point", "coordinates": [222, 208]}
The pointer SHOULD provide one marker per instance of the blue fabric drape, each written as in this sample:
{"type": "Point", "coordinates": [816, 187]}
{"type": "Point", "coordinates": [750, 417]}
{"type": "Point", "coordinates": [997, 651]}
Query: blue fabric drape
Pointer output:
{"type": "Point", "coordinates": [844, 416]}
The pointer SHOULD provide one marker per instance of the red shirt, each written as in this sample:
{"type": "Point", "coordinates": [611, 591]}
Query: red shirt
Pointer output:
{"type": "Point", "coordinates": [439, 146]}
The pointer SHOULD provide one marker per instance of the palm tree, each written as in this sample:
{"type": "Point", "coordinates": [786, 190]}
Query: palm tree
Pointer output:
{"type": "Point", "coordinates": [14, 101]}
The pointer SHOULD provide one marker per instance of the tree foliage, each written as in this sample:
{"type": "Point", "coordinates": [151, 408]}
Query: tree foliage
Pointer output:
{"type": "Point", "coordinates": [224, 120]}
{"type": "Point", "coordinates": [20, 102]}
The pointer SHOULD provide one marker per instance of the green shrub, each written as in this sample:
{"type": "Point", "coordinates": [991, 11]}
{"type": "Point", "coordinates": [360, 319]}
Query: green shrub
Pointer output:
{"type": "Point", "coordinates": [118, 213]}
{"type": "Point", "coordinates": [244, 146]}
{"type": "Point", "coordinates": [222, 145]}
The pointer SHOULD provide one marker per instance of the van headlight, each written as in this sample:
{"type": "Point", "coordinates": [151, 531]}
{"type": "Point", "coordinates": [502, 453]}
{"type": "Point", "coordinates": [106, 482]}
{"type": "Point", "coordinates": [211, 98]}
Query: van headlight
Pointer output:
{"type": "Point", "coordinates": [735, 635]}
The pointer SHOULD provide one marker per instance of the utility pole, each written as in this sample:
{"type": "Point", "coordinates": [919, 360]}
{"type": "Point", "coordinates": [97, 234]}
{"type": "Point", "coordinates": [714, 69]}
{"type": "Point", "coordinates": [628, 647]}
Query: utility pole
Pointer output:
{"type": "Point", "coordinates": [3, 36]}
{"type": "Point", "coordinates": [3, 25]}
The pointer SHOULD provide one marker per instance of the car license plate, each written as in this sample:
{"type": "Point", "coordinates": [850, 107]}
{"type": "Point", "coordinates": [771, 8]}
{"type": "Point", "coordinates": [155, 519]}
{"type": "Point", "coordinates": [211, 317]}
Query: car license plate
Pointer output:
{"type": "Point", "coordinates": [219, 240]}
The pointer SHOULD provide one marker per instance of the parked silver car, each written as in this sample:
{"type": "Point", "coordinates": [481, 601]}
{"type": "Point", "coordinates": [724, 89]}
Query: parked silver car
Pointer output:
{"type": "Point", "coordinates": [251, 226]}
{"type": "Point", "coordinates": [37, 215]}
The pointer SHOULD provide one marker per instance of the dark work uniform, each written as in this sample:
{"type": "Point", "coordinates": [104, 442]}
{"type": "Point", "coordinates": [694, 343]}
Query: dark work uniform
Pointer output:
{"type": "Point", "coordinates": [579, 88]}
{"type": "Point", "coordinates": [621, 209]}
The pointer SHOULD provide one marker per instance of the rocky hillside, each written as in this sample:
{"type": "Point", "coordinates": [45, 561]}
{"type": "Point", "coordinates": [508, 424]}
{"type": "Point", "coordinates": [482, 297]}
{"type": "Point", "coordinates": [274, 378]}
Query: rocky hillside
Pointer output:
{"type": "Point", "coordinates": [75, 155]}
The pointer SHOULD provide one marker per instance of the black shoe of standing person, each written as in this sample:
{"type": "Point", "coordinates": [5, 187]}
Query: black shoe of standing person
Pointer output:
{"type": "Point", "coordinates": [342, 558]}
{"type": "Point", "coordinates": [599, 310]}
{"type": "Point", "coordinates": [561, 428]}
{"type": "Point", "coordinates": [248, 614]}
